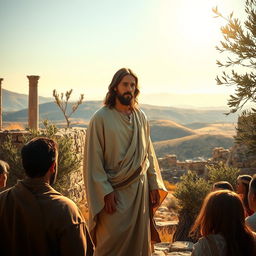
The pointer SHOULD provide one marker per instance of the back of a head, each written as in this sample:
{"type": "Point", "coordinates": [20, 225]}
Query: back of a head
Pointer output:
{"type": "Point", "coordinates": [4, 167]}
{"type": "Point", "coordinates": [223, 213]}
{"type": "Point", "coordinates": [37, 156]}
{"type": "Point", "coordinates": [222, 185]}
{"type": "Point", "coordinates": [245, 179]}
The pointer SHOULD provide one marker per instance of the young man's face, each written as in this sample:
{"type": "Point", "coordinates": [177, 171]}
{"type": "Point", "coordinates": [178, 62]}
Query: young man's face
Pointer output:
{"type": "Point", "coordinates": [125, 90]}
{"type": "Point", "coordinates": [3, 179]}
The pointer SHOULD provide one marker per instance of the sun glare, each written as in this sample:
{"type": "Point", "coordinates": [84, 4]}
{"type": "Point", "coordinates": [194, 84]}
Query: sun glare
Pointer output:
{"type": "Point", "coordinates": [196, 23]}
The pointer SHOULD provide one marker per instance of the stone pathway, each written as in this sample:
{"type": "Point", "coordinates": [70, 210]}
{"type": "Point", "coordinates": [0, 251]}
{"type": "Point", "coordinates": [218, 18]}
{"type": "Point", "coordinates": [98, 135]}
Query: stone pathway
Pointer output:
{"type": "Point", "coordinates": [166, 223]}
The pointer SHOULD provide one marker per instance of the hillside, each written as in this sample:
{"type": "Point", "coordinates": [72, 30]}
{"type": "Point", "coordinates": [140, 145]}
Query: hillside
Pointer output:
{"type": "Point", "coordinates": [167, 130]}
{"type": "Point", "coordinates": [199, 145]}
{"type": "Point", "coordinates": [13, 101]}
{"type": "Point", "coordinates": [85, 111]}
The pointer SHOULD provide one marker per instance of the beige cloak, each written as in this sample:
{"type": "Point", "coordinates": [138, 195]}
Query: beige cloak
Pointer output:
{"type": "Point", "coordinates": [119, 156]}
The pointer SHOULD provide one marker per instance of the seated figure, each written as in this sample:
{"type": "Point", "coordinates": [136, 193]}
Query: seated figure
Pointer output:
{"type": "Point", "coordinates": [221, 223]}
{"type": "Point", "coordinates": [242, 189]}
{"type": "Point", "coordinates": [35, 219]}
{"type": "Point", "coordinates": [251, 220]}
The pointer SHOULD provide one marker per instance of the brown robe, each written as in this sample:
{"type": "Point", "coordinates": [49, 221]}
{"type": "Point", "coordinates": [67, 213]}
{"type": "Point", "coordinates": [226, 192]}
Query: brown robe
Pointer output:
{"type": "Point", "coordinates": [36, 220]}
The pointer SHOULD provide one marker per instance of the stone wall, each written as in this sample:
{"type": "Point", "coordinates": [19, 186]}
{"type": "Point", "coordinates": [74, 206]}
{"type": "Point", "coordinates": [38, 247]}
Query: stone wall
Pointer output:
{"type": "Point", "coordinates": [75, 184]}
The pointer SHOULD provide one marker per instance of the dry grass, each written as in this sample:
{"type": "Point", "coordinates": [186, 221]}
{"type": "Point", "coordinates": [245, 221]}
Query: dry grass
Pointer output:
{"type": "Point", "coordinates": [165, 236]}
{"type": "Point", "coordinates": [169, 186]}
{"type": "Point", "coordinates": [14, 126]}
{"type": "Point", "coordinates": [226, 129]}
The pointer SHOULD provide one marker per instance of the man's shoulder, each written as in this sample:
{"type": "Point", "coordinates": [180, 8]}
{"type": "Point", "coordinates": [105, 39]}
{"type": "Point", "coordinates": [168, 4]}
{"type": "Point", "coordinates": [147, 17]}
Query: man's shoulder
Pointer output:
{"type": "Point", "coordinates": [62, 202]}
{"type": "Point", "coordinates": [4, 193]}
{"type": "Point", "coordinates": [100, 113]}
{"type": "Point", "coordinates": [141, 113]}
{"type": "Point", "coordinates": [63, 206]}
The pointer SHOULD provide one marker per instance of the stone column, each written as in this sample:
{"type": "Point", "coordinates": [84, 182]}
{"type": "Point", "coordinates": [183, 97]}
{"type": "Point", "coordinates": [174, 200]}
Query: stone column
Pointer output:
{"type": "Point", "coordinates": [1, 123]}
{"type": "Point", "coordinates": [33, 113]}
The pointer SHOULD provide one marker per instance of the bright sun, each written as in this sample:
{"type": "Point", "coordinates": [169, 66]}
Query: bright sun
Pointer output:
{"type": "Point", "coordinates": [196, 22]}
{"type": "Point", "coordinates": [192, 21]}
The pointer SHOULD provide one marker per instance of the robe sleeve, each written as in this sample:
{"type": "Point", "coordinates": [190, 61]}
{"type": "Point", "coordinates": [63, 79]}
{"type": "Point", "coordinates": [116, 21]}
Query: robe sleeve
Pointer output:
{"type": "Point", "coordinates": [96, 181]}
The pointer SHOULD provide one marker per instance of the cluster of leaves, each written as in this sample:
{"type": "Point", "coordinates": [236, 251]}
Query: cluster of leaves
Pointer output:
{"type": "Point", "coordinates": [192, 189]}
{"type": "Point", "coordinates": [69, 158]}
{"type": "Point", "coordinates": [246, 132]}
{"type": "Point", "coordinates": [222, 172]}
{"type": "Point", "coordinates": [239, 41]}
{"type": "Point", "coordinates": [190, 192]}
{"type": "Point", "coordinates": [63, 104]}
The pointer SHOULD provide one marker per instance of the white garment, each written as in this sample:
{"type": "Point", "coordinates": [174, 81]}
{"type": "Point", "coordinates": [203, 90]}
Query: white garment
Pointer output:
{"type": "Point", "coordinates": [251, 222]}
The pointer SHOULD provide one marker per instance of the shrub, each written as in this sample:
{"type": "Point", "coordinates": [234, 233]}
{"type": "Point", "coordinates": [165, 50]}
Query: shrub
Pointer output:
{"type": "Point", "coordinates": [222, 172]}
{"type": "Point", "coordinates": [69, 156]}
{"type": "Point", "coordinates": [190, 192]}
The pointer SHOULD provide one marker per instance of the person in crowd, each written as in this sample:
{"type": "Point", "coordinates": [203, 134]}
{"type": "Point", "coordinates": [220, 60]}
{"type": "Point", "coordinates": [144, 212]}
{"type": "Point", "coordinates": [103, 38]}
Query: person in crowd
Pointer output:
{"type": "Point", "coordinates": [35, 219]}
{"type": "Point", "coordinates": [4, 171]}
{"type": "Point", "coordinates": [123, 180]}
{"type": "Point", "coordinates": [220, 185]}
{"type": "Point", "coordinates": [221, 222]}
{"type": "Point", "coordinates": [242, 189]}
{"type": "Point", "coordinates": [251, 220]}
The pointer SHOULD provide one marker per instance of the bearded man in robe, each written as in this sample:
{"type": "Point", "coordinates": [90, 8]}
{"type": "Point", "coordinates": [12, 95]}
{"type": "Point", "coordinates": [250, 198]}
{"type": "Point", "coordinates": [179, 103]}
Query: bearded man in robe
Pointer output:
{"type": "Point", "coordinates": [124, 186]}
{"type": "Point", "coordinates": [35, 219]}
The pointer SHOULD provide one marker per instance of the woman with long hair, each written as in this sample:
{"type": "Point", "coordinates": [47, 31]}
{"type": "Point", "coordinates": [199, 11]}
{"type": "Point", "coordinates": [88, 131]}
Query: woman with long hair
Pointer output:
{"type": "Point", "coordinates": [242, 188]}
{"type": "Point", "coordinates": [221, 223]}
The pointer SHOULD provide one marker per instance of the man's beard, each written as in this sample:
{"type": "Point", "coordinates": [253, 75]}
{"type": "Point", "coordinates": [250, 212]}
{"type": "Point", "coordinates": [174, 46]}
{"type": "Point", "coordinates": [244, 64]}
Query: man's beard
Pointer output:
{"type": "Point", "coordinates": [125, 100]}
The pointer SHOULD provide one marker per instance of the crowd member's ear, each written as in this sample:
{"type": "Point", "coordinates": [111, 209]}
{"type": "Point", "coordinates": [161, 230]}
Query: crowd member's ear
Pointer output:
{"type": "Point", "coordinates": [52, 168]}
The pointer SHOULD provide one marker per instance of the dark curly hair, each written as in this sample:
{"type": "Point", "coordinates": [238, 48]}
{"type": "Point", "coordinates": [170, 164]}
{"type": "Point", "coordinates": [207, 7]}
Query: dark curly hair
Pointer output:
{"type": "Point", "coordinates": [110, 99]}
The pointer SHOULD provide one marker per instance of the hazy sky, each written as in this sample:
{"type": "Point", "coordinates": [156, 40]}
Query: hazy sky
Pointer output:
{"type": "Point", "coordinates": [80, 44]}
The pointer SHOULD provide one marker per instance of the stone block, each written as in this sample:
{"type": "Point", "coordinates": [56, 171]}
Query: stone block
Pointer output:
{"type": "Point", "coordinates": [163, 247]}
{"type": "Point", "coordinates": [181, 246]}
{"type": "Point", "coordinates": [179, 253]}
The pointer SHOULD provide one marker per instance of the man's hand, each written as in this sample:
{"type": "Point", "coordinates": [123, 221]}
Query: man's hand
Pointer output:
{"type": "Point", "coordinates": [110, 202]}
{"type": "Point", "coordinates": [155, 198]}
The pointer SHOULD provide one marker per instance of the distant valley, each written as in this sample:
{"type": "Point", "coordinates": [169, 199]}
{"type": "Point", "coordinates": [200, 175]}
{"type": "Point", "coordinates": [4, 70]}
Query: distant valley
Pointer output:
{"type": "Point", "coordinates": [188, 133]}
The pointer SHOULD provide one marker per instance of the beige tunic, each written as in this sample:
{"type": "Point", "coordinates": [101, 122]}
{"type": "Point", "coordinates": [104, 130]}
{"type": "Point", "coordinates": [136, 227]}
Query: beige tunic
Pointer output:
{"type": "Point", "coordinates": [37, 220]}
{"type": "Point", "coordinates": [115, 148]}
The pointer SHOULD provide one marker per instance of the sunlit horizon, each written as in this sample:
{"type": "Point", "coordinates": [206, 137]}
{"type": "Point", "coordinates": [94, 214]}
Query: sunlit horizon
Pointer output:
{"type": "Point", "coordinates": [80, 45]}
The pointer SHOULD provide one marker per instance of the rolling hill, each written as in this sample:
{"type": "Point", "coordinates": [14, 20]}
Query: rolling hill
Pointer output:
{"type": "Point", "coordinates": [199, 145]}
{"type": "Point", "coordinates": [85, 111]}
{"type": "Point", "coordinates": [167, 130]}
{"type": "Point", "coordinates": [13, 101]}
{"type": "Point", "coordinates": [204, 129]}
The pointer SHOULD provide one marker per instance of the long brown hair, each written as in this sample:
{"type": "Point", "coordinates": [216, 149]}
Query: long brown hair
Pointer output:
{"type": "Point", "coordinates": [110, 99]}
{"type": "Point", "coordinates": [223, 213]}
